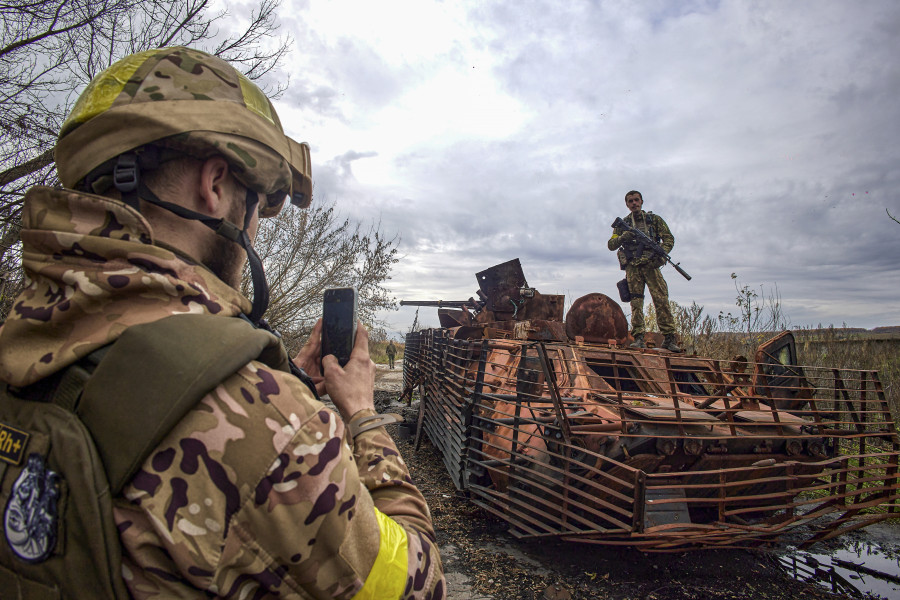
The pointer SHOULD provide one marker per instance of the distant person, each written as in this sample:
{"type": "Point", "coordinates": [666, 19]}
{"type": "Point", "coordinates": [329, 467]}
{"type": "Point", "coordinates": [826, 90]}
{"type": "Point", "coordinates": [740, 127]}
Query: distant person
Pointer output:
{"type": "Point", "coordinates": [391, 352]}
{"type": "Point", "coordinates": [642, 267]}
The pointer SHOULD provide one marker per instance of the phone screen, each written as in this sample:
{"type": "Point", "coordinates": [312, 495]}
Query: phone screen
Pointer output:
{"type": "Point", "coordinates": [339, 323]}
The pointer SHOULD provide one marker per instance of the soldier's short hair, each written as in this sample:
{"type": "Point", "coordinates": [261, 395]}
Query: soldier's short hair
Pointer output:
{"type": "Point", "coordinates": [634, 192]}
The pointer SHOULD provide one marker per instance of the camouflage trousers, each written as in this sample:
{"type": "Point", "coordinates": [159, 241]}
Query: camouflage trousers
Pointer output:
{"type": "Point", "coordinates": [639, 276]}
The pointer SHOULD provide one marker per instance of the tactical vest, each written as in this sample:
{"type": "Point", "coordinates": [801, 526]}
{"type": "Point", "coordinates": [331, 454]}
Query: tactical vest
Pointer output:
{"type": "Point", "coordinates": [70, 443]}
{"type": "Point", "coordinates": [634, 250]}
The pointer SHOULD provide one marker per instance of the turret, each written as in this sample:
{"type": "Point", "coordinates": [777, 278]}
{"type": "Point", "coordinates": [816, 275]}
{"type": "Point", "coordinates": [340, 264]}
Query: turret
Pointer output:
{"type": "Point", "coordinates": [508, 307]}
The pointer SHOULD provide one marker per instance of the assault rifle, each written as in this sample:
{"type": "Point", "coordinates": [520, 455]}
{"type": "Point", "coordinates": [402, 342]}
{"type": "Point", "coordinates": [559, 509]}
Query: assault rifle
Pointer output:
{"type": "Point", "coordinates": [649, 244]}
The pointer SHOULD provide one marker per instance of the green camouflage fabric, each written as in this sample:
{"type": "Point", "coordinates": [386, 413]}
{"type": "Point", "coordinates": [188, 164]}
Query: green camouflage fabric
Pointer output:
{"type": "Point", "coordinates": [191, 102]}
{"type": "Point", "coordinates": [645, 275]}
{"type": "Point", "coordinates": [666, 239]}
{"type": "Point", "coordinates": [645, 271]}
{"type": "Point", "coordinates": [257, 492]}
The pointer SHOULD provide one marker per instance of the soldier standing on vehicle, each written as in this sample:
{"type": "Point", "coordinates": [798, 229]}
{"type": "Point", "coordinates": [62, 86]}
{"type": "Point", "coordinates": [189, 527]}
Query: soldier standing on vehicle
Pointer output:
{"type": "Point", "coordinates": [391, 352]}
{"type": "Point", "coordinates": [642, 268]}
{"type": "Point", "coordinates": [168, 160]}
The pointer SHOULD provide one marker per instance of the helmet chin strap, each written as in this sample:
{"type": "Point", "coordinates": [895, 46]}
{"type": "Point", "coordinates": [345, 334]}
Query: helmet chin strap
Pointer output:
{"type": "Point", "coordinates": [127, 179]}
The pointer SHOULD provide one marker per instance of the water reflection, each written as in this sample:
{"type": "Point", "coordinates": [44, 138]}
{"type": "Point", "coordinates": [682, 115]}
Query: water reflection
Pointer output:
{"type": "Point", "coordinates": [862, 569]}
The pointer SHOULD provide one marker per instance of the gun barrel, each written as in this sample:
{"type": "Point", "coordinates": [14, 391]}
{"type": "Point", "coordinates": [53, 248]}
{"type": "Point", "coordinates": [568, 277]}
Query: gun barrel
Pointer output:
{"type": "Point", "coordinates": [437, 303]}
{"type": "Point", "coordinates": [682, 271]}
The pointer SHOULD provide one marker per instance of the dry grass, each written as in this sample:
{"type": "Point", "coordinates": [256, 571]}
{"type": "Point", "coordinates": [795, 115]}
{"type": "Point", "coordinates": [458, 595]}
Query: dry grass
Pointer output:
{"type": "Point", "coordinates": [834, 347]}
{"type": "Point", "coordinates": [726, 337]}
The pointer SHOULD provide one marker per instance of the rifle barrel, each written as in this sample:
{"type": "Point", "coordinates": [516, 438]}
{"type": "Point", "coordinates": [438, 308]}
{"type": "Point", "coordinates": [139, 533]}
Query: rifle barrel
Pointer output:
{"type": "Point", "coordinates": [682, 271]}
{"type": "Point", "coordinates": [437, 303]}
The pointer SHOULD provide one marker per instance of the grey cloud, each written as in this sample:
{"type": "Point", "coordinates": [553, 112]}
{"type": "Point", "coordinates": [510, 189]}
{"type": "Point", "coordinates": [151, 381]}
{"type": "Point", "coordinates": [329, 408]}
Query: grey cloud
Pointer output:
{"type": "Point", "coordinates": [322, 100]}
{"type": "Point", "coordinates": [748, 127]}
{"type": "Point", "coordinates": [343, 163]}
{"type": "Point", "coordinates": [355, 72]}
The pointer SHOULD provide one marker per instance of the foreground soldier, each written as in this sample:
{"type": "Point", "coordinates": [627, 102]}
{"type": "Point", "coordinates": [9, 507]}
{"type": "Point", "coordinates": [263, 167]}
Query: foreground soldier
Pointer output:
{"type": "Point", "coordinates": [259, 491]}
{"type": "Point", "coordinates": [642, 268]}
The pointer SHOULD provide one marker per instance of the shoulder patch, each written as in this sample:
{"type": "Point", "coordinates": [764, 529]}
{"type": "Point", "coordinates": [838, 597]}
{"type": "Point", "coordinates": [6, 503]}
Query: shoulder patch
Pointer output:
{"type": "Point", "coordinates": [31, 515]}
{"type": "Point", "coordinates": [12, 444]}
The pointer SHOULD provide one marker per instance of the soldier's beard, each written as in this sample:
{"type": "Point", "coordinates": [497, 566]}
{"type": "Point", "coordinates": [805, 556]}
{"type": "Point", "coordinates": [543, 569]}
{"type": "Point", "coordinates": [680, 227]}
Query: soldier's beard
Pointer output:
{"type": "Point", "coordinates": [227, 261]}
{"type": "Point", "coordinates": [226, 258]}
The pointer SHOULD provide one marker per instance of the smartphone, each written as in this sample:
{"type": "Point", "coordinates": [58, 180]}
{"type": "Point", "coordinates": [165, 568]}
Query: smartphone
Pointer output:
{"type": "Point", "coordinates": [339, 323]}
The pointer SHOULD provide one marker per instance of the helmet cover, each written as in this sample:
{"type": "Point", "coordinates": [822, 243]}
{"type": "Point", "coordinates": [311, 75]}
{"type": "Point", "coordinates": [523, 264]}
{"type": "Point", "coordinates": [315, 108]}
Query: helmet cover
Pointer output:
{"type": "Point", "coordinates": [191, 102]}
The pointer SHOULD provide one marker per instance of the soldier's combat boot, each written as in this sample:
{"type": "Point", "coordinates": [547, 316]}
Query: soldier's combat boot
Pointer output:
{"type": "Point", "coordinates": [669, 343]}
{"type": "Point", "coordinates": [638, 342]}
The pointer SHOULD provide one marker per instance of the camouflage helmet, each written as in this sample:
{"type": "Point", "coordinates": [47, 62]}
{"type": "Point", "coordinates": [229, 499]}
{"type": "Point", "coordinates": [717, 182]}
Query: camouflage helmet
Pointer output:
{"type": "Point", "coordinates": [191, 102]}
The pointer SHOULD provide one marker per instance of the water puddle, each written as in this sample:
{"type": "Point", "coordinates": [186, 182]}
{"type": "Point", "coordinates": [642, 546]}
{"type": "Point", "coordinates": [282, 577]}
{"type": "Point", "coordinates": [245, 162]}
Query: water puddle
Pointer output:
{"type": "Point", "coordinates": [862, 569]}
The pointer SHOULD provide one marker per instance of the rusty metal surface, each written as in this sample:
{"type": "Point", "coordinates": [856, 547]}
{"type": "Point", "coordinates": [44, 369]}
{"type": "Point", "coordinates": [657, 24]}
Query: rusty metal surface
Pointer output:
{"type": "Point", "coordinates": [661, 451]}
{"type": "Point", "coordinates": [504, 299]}
{"type": "Point", "coordinates": [451, 317]}
{"type": "Point", "coordinates": [500, 285]}
{"type": "Point", "coordinates": [597, 318]}
{"type": "Point", "coordinates": [608, 445]}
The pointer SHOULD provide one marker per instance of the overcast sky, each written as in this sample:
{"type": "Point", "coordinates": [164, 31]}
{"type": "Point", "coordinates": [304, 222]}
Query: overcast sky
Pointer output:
{"type": "Point", "coordinates": [767, 135]}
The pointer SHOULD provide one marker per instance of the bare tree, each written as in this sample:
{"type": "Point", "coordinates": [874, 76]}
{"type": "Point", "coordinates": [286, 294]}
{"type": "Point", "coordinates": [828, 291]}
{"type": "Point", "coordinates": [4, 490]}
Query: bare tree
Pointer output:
{"type": "Point", "coordinates": [308, 251]}
{"type": "Point", "coordinates": [50, 49]}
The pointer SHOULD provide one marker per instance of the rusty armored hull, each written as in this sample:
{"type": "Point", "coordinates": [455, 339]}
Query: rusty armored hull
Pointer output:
{"type": "Point", "coordinates": [591, 441]}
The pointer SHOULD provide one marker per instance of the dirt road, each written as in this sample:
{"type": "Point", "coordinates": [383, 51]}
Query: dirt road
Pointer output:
{"type": "Point", "coordinates": [483, 562]}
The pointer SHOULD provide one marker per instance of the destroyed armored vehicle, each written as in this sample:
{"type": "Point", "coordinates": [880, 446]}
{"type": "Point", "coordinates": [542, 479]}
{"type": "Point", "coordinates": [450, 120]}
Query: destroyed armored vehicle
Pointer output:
{"type": "Point", "coordinates": [557, 427]}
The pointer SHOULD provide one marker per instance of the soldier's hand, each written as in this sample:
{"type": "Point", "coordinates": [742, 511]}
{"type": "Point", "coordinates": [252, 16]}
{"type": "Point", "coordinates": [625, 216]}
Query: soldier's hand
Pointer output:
{"type": "Point", "coordinates": [626, 237]}
{"type": "Point", "coordinates": [644, 259]}
{"type": "Point", "coordinates": [309, 355]}
{"type": "Point", "coordinates": [352, 387]}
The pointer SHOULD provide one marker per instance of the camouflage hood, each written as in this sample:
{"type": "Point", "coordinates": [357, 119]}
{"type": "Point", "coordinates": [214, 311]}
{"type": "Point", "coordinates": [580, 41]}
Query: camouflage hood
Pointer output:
{"type": "Point", "coordinates": [92, 270]}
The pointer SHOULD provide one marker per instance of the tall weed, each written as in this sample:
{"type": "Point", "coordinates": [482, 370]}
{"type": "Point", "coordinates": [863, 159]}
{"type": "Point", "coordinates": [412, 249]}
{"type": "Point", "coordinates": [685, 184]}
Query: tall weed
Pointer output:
{"type": "Point", "coordinates": [760, 316]}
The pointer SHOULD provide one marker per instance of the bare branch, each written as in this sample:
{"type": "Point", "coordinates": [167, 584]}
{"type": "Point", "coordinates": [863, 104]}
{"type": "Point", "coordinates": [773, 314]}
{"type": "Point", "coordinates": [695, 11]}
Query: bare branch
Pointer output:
{"type": "Point", "coordinates": [26, 168]}
{"type": "Point", "coordinates": [50, 31]}
{"type": "Point", "coordinates": [306, 252]}
{"type": "Point", "coordinates": [187, 19]}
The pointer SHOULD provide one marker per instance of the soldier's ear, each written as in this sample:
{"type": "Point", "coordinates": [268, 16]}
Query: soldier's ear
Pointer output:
{"type": "Point", "coordinates": [214, 186]}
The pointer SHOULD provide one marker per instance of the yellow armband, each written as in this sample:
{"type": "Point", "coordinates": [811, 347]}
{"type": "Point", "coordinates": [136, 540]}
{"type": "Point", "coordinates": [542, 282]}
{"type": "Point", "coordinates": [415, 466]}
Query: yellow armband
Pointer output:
{"type": "Point", "coordinates": [387, 579]}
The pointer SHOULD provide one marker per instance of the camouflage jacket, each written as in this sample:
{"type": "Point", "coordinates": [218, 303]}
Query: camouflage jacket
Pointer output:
{"type": "Point", "coordinates": [660, 232]}
{"type": "Point", "coordinates": [257, 492]}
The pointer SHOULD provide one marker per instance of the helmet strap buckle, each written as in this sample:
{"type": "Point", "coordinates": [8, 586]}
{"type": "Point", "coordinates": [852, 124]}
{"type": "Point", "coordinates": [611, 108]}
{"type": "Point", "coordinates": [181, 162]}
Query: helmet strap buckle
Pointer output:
{"type": "Point", "coordinates": [229, 231]}
{"type": "Point", "coordinates": [127, 177]}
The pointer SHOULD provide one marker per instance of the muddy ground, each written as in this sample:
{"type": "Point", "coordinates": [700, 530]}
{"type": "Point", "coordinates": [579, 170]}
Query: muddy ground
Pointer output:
{"type": "Point", "coordinates": [484, 562]}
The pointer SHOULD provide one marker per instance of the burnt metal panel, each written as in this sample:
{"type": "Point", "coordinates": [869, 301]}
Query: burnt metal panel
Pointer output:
{"type": "Point", "coordinates": [602, 444]}
{"type": "Point", "coordinates": [564, 433]}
